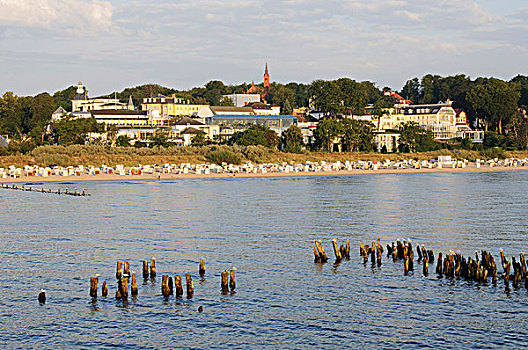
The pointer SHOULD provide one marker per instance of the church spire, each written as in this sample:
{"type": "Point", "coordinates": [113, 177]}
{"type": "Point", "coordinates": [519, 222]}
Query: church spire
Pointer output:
{"type": "Point", "coordinates": [266, 81]}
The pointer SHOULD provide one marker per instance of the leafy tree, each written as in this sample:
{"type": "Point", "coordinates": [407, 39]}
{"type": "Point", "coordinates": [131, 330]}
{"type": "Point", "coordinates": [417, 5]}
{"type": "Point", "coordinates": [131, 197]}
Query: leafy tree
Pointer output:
{"type": "Point", "coordinates": [255, 135]}
{"type": "Point", "coordinates": [358, 135]}
{"type": "Point", "coordinates": [11, 114]}
{"type": "Point", "coordinates": [326, 133]}
{"type": "Point", "coordinates": [214, 91]}
{"type": "Point", "coordinates": [326, 97]}
{"type": "Point", "coordinates": [494, 101]}
{"type": "Point", "coordinates": [41, 108]}
{"type": "Point", "coordinates": [416, 139]}
{"type": "Point", "coordinates": [123, 141]}
{"type": "Point", "coordinates": [199, 140]}
{"type": "Point", "coordinates": [160, 138]}
{"type": "Point", "coordinates": [282, 96]}
{"type": "Point", "coordinates": [412, 90]}
{"type": "Point", "coordinates": [69, 131]}
{"type": "Point", "coordinates": [291, 140]}
{"type": "Point", "coordinates": [64, 97]}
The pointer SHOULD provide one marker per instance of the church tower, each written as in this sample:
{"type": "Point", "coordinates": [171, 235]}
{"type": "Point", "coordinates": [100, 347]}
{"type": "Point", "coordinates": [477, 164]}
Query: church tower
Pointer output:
{"type": "Point", "coordinates": [266, 79]}
{"type": "Point", "coordinates": [266, 82]}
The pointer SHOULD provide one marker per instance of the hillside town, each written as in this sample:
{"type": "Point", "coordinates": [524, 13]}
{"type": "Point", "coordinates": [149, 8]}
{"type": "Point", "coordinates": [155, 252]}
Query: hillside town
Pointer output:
{"type": "Point", "coordinates": [181, 120]}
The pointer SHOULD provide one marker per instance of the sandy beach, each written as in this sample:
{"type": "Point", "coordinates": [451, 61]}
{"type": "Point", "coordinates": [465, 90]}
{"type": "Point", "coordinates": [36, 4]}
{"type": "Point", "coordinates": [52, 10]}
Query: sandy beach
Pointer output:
{"type": "Point", "coordinates": [143, 177]}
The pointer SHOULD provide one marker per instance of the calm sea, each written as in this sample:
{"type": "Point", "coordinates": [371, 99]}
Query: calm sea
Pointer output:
{"type": "Point", "coordinates": [264, 227]}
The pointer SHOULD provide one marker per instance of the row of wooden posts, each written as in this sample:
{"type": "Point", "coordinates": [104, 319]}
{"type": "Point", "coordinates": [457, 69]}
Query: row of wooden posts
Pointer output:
{"type": "Point", "coordinates": [169, 286]}
{"type": "Point", "coordinates": [477, 269]}
{"type": "Point", "coordinates": [66, 191]}
{"type": "Point", "coordinates": [340, 252]}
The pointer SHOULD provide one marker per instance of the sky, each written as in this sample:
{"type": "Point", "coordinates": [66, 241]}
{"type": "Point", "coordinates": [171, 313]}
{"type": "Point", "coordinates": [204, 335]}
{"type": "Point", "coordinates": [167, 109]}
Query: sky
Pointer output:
{"type": "Point", "coordinates": [48, 45]}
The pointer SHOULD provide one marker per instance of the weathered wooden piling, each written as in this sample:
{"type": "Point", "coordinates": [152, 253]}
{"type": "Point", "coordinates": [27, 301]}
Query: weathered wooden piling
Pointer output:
{"type": "Point", "coordinates": [225, 281]}
{"type": "Point", "coordinates": [93, 286]}
{"type": "Point", "coordinates": [317, 258]}
{"type": "Point", "coordinates": [126, 268]}
{"type": "Point", "coordinates": [165, 285]}
{"type": "Point", "coordinates": [42, 296]}
{"type": "Point", "coordinates": [153, 268]}
{"type": "Point", "coordinates": [118, 269]}
{"type": "Point", "coordinates": [124, 287]}
{"type": "Point", "coordinates": [337, 252]}
{"type": "Point", "coordinates": [425, 266]}
{"type": "Point", "coordinates": [232, 283]}
{"type": "Point", "coordinates": [347, 250]}
{"type": "Point", "coordinates": [361, 249]}
{"type": "Point", "coordinates": [202, 266]}
{"type": "Point", "coordinates": [523, 264]}
{"type": "Point", "coordinates": [507, 274]}
{"type": "Point", "coordinates": [419, 253]}
{"type": "Point", "coordinates": [145, 269]}
{"type": "Point", "coordinates": [133, 285]}
{"type": "Point", "coordinates": [321, 251]}
{"type": "Point", "coordinates": [503, 259]}
{"type": "Point", "coordinates": [439, 264]}
{"type": "Point", "coordinates": [190, 288]}
{"type": "Point", "coordinates": [179, 286]}
{"type": "Point", "coordinates": [171, 286]}
{"type": "Point", "coordinates": [104, 289]}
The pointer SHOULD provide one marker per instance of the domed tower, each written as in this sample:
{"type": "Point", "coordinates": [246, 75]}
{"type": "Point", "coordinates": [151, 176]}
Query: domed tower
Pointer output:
{"type": "Point", "coordinates": [80, 97]}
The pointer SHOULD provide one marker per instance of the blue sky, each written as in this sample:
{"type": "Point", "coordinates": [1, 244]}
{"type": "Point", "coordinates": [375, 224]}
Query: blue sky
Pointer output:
{"type": "Point", "coordinates": [47, 45]}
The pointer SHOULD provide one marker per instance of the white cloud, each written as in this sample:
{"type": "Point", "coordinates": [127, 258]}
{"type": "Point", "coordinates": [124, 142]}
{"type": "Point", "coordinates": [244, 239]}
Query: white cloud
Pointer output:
{"type": "Point", "coordinates": [80, 16]}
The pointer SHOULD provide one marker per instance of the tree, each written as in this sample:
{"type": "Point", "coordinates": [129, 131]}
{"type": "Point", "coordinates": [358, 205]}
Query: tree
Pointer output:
{"type": "Point", "coordinates": [326, 97]}
{"type": "Point", "coordinates": [41, 108]}
{"type": "Point", "coordinates": [69, 131]}
{"type": "Point", "coordinates": [214, 91]}
{"type": "Point", "coordinates": [199, 140]}
{"type": "Point", "coordinates": [358, 135]}
{"type": "Point", "coordinates": [159, 138]}
{"type": "Point", "coordinates": [10, 114]}
{"type": "Point", "coordinates": [326, 133]}
{"type": "Point", "coordinates": [416, 139]}
{"type": "Point", "coordinates": [412, 90]}
{"type": "Point", "coordinates": [291, 140]}
{"type": "Point", "coordinates": [494, 101]}
{"type": "Point", "coordinates": [123, 141]}
{"type": "Point", "coordinates": [255, 135]}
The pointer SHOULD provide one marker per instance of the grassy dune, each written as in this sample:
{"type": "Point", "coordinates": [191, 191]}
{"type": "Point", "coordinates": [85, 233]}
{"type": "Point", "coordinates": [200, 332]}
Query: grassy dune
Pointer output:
{"type": "Point", "coordinates": [128, 156]}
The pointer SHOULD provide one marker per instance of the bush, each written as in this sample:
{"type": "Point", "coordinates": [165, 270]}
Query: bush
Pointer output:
{"type": "Point", "coordinates": [223, 155]}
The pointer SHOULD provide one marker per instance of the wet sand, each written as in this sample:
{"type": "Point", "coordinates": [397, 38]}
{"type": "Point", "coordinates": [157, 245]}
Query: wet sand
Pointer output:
{"type": "Point", "coordinates": [114, 177]}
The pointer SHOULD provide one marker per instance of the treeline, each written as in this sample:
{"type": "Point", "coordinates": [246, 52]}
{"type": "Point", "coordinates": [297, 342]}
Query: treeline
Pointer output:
{"type": "Point", "coordinates": [495, 105]}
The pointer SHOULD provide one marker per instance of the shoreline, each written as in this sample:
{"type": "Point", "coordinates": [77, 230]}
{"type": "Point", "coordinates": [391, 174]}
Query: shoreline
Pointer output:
{"type": "Point", "coordinates": [144, 177]}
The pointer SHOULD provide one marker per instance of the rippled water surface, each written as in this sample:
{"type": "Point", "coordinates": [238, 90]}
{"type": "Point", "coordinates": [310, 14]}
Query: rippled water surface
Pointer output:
{"type": "Point", "coordinates": [264, 227]}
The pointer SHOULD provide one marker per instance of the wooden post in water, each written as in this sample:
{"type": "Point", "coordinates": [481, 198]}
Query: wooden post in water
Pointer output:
{"type": "Point", "coordinates": [347, 250]}
{"type": "Point", "coordinates": [171, 286]}
{"type": "Point", "coordinates": [124, 287]}
{"type": "Point", "coordinates": [425, 266]}
{"type": "Point", "coordinates": [118, 270]}
{"type": "Point", "coordinates": [225, 281]}
{"type": "Point", "coordinates": [104, 289]}
{"type": "Point", "coordinates": [42, 296]}
{"type": "Point", "coordinates": [153, 268]}
{"type": "Point", "coordinates": [93, 287]}
{"type": "Point", "coordinates": [179, 285]}
{"type": "Point", "coordinates": [202, 266]}
{"type": "Point", "coordinates": [190, 288]}
{"type": "Point", "coordinates": [321, 251]}
{"type": "Point", "coordinates": [361, 249]}
{"type": "Point", "coordinates": [126, 268]}
{"type": "Point", "coordinates": [145, 269]}
{"type": "Point", "coordinates": [507, 274]}
{"type": "Point", "coordinates": [317, 258]}
{"type": "Point", "coordinates": [439, 264]}
{"type": "Point", "coordinates": [133, 285]}
{"type": "Point", "coordinates": [337, 252]}
{"type": "Point", "coordinates": [523, 264]}
{"type": "Point", "coordinates": [165, 285]}
{"type": "Point", "coordinates": [232, 283]}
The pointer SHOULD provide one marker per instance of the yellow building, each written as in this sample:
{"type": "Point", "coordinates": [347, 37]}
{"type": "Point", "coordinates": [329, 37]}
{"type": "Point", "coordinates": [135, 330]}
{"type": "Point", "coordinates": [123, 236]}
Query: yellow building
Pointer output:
{"type": "Point", "coordinates": [161, 108]}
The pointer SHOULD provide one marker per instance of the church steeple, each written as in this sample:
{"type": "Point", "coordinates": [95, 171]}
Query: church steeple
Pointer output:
{"type": "Point", "coordinates": [130, 104]}
{"type": "Point", "coordinates": [266, 79]}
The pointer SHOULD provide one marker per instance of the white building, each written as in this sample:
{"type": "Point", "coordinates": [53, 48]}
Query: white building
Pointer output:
{"type": "Point", "coordinates": [241, 100]}
{"type": "Point", "coordinates": [81, 102]}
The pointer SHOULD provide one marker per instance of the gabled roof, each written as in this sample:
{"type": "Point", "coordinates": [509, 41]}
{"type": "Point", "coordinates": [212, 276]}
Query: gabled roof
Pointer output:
{"type": "Point", "coordinates": [60, 110]}
{"type": "Point", "coordinates": [188, 121]}
{"type": "Point", "coordinates": [191, 130]}
{"type": "Point", "coordinates": [307, 118]}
